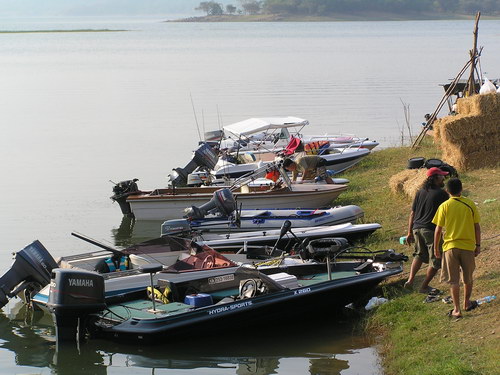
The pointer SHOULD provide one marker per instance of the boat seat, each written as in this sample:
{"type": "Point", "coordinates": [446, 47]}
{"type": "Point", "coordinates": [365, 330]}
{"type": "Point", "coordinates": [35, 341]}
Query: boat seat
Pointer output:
{"type": "Point", "coordinates": [136, 261]}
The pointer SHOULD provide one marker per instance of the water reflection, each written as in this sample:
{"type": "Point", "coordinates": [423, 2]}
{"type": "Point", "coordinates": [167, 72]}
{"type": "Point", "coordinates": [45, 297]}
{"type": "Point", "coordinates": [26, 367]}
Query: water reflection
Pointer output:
{"type": "Point", "coordinates": [131, 231]}
{"type": "Point", "coordinates": [321, 349]}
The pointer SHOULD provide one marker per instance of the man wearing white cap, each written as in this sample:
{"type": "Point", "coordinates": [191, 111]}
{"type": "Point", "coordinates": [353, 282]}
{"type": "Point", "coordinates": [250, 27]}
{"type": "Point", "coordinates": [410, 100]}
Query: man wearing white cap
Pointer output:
{"type": "Point", "coordinates": [421, 229]}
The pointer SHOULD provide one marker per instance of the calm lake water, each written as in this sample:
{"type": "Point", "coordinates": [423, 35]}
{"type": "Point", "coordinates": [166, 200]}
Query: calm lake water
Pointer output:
{"type": "Point", "coordinates": [80, 109]}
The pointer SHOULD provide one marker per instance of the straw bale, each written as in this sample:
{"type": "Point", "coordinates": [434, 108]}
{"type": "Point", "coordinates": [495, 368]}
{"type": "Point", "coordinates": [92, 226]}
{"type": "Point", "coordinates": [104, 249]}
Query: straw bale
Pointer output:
{"type": "Point", "coordinates": [478, 104]}
{"type": "Point", "coordinates": [471, 139]}
{"type": "Point", "coordinates": [408, 181]}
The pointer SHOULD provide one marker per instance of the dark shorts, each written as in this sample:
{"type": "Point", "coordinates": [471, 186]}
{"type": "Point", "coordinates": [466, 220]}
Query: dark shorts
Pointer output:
{"type": "Point", "coordinates": [321, 169]}
{"type": "Point", "coordinates": [456, 260]}
{"type": "Point", "coordinates": [424, 247]}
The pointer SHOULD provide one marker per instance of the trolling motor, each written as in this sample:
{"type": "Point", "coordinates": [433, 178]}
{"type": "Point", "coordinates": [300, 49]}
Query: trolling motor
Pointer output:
{"type": "Point", "coordinates": [222, 202]}
{"type": "Point", "coordinates": [121, 191]}
{"type": "Point", "coordinates": [323, 248]}
{"type": "Point", "coordinates": [205, 156]}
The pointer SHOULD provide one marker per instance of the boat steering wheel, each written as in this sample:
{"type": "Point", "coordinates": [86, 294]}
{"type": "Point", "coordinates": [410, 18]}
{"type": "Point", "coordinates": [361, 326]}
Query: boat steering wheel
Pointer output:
{"type": "Point", "coordinates": [248, 289]}
{"type": "Point", "coordinates": [208, 262]}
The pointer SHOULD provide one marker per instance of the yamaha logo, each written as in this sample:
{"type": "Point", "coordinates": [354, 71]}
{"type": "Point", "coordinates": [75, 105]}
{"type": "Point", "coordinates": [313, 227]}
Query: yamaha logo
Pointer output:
{"type": "Point", "coordinates": [81, 282]}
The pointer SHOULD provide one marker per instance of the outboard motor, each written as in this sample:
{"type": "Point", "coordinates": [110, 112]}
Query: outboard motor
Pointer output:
{"type": "Point", "coordinates": [33, 264]}
{"type": "Point", "coordinates": [121, 191]}
{"type": "Point", "coordinates": [204, 156]}
{"type": "Point", "coordinates": [222, 201]}
{"type": "Point", "coordinates": [74, 294]}
{"type": "Point", "coordinates": [176, 227]}
{"type": "Point", "coordinates": [323, 248]}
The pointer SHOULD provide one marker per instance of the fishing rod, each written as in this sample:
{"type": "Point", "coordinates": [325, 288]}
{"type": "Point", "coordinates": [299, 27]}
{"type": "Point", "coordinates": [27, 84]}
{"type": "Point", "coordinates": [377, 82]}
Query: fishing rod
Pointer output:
{"type": "Point", "coordinates": [195, 118]}
{"type": "Point", "coordinates": [98, 244]}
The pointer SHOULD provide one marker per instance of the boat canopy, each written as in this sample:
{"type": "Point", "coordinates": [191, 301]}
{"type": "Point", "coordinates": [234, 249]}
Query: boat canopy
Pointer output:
{"type": "Point", "coordinates": [256, 125]}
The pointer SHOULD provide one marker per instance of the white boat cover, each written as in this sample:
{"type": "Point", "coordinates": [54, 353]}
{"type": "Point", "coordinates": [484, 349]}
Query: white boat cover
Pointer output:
{"type": "Point", "coordinates": [256, 125]}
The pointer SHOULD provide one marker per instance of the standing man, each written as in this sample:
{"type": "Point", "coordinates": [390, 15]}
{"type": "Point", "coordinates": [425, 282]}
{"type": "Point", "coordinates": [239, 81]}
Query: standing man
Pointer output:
{"type": "Point", "coordinates": [462, 243]}
{"type": "Point", "coordinates": [308, 165]}
{"type": "Point", "coordinates": [421, 229]}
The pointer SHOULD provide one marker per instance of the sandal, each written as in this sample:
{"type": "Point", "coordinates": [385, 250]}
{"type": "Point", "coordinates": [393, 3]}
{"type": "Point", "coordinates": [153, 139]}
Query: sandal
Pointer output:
{"type": "Point", "coordinates": [447, 299]}
{"type": "Point", "coordinates": [431, 298]}
{"type": "Point", "coordinates": [472, 306]}
{"type": "Point", "coordinates": [431, 291]}
{"type": "Point", "coordinates": [450, 315]}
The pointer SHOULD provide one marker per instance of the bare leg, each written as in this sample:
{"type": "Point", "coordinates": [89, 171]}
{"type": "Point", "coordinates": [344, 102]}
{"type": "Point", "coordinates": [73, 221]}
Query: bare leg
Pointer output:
{"type": "Point", "coordinates": [467, 294]}
{"type": "Point", "coordinates": [455, 295]}
{"type": "Point", "coordinates": [415, 266]}
{"type": "Point", "coordinates": [431, 272]}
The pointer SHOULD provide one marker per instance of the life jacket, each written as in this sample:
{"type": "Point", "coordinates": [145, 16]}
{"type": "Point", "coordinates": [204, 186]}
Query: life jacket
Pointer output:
{"type": "Point", "coordinates": [122, 265]}
{"type": "Point", "coordinates": [294, 145]}
{"type": "Point", "coordinates": [316, 147]}
{"type": "Point", "coordinates": [273, 175]}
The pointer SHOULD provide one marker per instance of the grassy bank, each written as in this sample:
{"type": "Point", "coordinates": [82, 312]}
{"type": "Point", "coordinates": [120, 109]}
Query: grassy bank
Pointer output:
{"type": "Point", "coordinates": [417, 337]}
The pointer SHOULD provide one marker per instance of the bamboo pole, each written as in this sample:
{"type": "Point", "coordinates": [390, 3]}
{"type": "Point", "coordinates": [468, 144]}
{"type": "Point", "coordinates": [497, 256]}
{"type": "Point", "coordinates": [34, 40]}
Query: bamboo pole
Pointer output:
{"type": "Point", "coordinates": [470, 88]}
{"type": "Point", "coordinates": [471, 83]}
{"type": "Point", "coordinates": [446, 95]}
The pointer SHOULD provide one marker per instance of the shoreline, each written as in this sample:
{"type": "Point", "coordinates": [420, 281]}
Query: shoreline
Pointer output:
{"type": "Point", "coordinates": [364, 17]}
{"type": "Point", "coordinates": [60, 31]}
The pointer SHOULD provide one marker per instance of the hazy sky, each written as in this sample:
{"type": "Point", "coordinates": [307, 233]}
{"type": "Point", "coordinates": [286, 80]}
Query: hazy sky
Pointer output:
{"type": "Point", "coordinates": [30, 8]}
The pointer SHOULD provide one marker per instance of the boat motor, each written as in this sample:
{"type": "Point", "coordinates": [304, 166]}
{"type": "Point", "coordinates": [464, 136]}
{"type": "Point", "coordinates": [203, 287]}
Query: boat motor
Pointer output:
{"type": "Point", "coordinates": [74, 294]}
{"type": "Point", "coordinates": [121, 191]}
{"type": "Point", "coordinates": [31, 268]}
{"type": "Point", "coordinates": [175, 227]}
{"type": "Point", "coordinates": [205, 156]}
{"type": "Point", "coordinates": [222, 202]}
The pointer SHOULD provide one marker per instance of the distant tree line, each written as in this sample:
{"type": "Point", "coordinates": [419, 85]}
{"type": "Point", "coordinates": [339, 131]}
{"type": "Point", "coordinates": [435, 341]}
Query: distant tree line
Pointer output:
{"type": "Point", "coordinates": [213, 8]}
{"type": "Point", "coordinates": [326, 7]}
{"type": "Point", "coordinates": [331, 7]}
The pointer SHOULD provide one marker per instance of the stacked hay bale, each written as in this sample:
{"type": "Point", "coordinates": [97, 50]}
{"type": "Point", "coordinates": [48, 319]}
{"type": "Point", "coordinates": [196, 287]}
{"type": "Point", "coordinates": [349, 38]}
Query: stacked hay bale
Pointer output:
{"type": "Point", "coordinates": [471, 139]}
{"type": "Point", "coordinates": [408, 181]}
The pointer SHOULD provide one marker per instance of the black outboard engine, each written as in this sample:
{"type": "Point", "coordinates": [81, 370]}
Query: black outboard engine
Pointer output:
{"type": "Point", "coordinates": [222, 201]}
{"type": "Point", "coordinates": [204, 156]}
{"type": "Point", "coordinates": [32, 265]}
{"type": "Point", "coordinates": [121, 191]}
{"type": "Point", "coordinates": [324, 247]}
{"type": "Point", "coordinates": [176, 227]}
{"type": "Point", "coordinates": [74, 294]}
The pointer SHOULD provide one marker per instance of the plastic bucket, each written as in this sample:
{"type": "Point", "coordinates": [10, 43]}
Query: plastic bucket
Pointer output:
{"type": "Point", "coordinates": [415, 163]}
{"type": "Point", "coordinates": [431, 163]}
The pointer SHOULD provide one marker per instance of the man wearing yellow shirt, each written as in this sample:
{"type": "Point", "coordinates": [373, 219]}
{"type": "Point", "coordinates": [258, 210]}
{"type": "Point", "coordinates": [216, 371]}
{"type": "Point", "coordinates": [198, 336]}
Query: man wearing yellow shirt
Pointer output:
{"type": "Point", "coordinates": [462, 243]}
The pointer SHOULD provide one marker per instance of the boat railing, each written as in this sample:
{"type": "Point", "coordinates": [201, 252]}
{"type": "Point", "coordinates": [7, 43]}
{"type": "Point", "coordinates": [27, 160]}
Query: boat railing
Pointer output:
{"type": "Point", "coordinates": [259, 173]}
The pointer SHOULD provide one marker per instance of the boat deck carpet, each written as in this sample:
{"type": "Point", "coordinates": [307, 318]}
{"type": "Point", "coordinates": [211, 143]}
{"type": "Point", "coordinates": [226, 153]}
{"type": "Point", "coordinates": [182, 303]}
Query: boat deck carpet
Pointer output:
{"type": "Point", "coordinates": [142, 308]}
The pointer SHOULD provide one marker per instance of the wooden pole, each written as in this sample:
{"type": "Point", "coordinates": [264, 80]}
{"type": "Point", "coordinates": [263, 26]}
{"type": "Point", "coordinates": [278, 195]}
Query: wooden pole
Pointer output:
{"type": "Point", "coordinates": [469, 90]}
{"type": "Point", "coordinates": [471, 83]}
{"type": "Point", "coordinates": [446, 95]}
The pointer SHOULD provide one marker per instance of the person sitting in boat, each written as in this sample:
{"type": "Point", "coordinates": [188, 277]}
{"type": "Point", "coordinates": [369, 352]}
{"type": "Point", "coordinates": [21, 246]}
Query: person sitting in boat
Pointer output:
{"type": "Point", "coordinates": [310, 166]}
{"type": "Point", "coordinates": [116, 262]}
